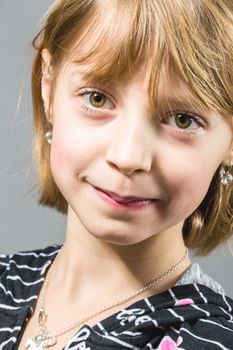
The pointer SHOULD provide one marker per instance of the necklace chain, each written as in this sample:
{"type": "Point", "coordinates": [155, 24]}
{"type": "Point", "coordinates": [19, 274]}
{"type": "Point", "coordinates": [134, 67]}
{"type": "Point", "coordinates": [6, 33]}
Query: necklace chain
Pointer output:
{"type": "Point", "coordinates": [42, 315]}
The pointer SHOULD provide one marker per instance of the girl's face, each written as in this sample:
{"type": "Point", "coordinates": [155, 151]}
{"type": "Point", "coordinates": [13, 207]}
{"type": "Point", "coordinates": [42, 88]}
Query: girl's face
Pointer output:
{"type": "Point", "coordinates": [108, 138]}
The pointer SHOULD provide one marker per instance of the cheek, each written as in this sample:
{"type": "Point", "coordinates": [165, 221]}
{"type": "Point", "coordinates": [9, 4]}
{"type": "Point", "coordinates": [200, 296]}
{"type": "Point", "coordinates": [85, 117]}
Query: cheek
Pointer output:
{"type": "Point", "coordinates": [67, 145]}
{"type": "Point", "coordinates": [73, 149]}
{"type": "Point", "coordinates": [65, 155]}
{"type": "Point", "coordinates": [188, 185]}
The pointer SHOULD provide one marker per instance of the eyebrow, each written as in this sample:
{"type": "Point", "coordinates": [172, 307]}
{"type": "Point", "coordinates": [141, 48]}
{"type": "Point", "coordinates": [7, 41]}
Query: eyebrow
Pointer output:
{"type": "Point", "coordinates": [182, 102]}
{"type": "Point", "coordinates": [77, 72]}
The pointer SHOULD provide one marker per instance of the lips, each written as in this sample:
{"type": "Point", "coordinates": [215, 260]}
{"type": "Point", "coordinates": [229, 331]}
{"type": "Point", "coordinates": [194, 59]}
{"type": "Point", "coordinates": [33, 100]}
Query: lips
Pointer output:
{"type": "Point", "coordinates": [120, 199]}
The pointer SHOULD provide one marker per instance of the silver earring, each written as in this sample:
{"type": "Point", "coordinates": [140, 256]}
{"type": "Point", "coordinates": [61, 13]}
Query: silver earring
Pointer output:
{"type": "Point", "coordinates": [48, 136]}
{"type": "Point", "coordinates": [225, 176]}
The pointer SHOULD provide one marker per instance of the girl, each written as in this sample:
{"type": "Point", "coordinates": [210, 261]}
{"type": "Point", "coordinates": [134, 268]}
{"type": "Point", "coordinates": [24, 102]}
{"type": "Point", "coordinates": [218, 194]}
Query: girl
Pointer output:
{"type": "Point", "coordinates": [133, 107]}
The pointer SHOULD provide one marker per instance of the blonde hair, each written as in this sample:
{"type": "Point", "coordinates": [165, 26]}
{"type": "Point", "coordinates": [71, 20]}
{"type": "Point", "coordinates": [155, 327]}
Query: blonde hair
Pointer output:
{"type": "Point", "coordinates": [193, 37]}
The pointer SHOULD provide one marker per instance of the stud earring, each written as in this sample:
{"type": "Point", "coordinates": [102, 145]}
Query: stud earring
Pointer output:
{"type": "Point", "coordinates": [225, 176]}
{"type": "Point", "coordinates": [48, 136]}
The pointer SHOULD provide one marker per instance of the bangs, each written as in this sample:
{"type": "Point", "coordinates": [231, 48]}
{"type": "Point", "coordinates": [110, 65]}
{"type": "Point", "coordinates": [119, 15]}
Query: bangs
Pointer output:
{"type": "Point", "coordinates": [170, 37]}
{"type": "Point", "coordinates": [116, 41]}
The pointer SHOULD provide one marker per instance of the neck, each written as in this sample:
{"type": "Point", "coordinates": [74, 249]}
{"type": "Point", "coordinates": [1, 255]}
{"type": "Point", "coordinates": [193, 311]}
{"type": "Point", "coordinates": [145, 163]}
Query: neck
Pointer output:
{"type": "Point", "coordinates": [88, 264]}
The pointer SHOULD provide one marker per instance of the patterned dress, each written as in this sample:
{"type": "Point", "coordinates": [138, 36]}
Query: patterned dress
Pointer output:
{"type": "Point", "coordinates": [195, 314]}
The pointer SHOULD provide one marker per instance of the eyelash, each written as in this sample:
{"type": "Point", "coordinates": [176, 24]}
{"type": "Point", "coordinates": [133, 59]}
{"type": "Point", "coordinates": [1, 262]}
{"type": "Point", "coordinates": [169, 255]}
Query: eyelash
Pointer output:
{"type": "Point", "coordinates": [186, 132]}
{"type": "Point", "coordinates": [183, 132]}
{"type": "Point", "coordinates": [89, 91]}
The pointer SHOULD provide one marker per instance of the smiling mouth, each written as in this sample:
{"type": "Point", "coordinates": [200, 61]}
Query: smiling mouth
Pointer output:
{"type": "Point", "coordinates": [138, 204]}
{"type": "Point", "coordinates": [125, 200]}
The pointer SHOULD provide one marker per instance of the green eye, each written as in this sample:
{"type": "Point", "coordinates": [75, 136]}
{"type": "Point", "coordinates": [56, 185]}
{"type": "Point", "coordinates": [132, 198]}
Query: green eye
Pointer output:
{"type": "Point", "coordinates": [97, 99]}
{"type": "Point", "coordinates": [183, 121]}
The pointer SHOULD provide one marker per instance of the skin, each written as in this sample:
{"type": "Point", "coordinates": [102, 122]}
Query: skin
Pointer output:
{"type": "Point", "coordinates": [120, 148]}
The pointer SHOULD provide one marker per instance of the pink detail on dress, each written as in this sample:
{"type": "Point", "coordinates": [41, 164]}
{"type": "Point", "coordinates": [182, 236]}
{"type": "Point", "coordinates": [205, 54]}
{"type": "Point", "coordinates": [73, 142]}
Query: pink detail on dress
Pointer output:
{"type": "Point", "coordinates": [168, 343]}
{"type": "Point", "coordinates": [183, 302]}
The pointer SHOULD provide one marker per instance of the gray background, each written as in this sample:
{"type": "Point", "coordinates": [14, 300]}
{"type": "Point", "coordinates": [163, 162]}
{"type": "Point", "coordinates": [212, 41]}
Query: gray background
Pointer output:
{"type": "Point", "coordinates": [24, 225]}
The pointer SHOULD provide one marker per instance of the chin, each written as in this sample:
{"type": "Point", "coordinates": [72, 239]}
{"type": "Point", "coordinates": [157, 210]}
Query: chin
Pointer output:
{"type": "Point", "coordinates": [121, 240]}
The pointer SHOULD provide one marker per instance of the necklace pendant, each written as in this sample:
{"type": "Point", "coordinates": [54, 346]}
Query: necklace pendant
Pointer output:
{"type": "Point", "coordinates": [41, 342]}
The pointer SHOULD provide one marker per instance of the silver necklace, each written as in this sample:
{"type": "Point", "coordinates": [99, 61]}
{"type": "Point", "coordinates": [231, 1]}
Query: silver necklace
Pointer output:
{"type": "Point", "coordinates": [45, 339]}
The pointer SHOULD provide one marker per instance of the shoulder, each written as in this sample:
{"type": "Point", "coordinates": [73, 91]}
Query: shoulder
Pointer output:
{"type": "Point", "coordinates": [195, 274]}
{"type": "Point", "coordinates": [22, 270]}
{"type": "Point", "coordinates": [28, 260]}
{"type": "Point", "coordinates": [4, 262]}
{"type": "Point", "coordinates": [204, 319]}
{"type": "Point", "coordinates": [195, 317]}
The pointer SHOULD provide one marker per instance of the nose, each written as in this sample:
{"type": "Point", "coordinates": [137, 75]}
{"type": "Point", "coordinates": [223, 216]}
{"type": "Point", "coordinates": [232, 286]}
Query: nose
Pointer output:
{"type": "Point", "coordinates": [130, 148]}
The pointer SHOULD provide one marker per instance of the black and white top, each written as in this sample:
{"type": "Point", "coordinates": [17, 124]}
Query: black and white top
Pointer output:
{"type": "Point", "coordinates": [195, 314]}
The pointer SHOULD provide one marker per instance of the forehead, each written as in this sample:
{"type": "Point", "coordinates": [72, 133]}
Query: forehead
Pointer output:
{"type": "Point", "coordinates": [172, 90]}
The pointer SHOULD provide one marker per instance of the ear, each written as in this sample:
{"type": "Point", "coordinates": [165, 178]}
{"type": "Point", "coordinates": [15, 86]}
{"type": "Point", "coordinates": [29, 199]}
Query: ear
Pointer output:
{"type": "Point", "coordinates": [228, 160]}
{"type": "Point", "coordinates": [46, 82]}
